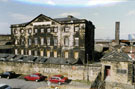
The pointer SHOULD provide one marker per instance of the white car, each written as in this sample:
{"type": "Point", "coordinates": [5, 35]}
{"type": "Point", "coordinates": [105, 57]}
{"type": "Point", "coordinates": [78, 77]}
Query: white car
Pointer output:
{"type": "Point", "coordinates": [5, 86]}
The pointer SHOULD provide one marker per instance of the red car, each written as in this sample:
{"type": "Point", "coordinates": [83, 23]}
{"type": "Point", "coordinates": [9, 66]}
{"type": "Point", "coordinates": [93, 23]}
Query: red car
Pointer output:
{"type": "Point", "coordinates": [34, 77]}
{"type": "Point", "coordinates": [60, 79]}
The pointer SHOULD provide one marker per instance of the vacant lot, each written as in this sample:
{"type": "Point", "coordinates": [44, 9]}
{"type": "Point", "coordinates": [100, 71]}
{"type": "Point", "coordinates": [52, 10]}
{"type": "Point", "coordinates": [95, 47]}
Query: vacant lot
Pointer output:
{"type": "Point", "coordinates": [22, 84]}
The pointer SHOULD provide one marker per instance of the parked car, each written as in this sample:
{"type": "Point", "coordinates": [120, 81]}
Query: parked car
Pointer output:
{"type": "Point", "coordinates": [35, 77]}
{"type": "Point", "coordinates": [8, 74]}
{"type": "Point", "coordinates": [5, 86]}
{"type": "Point", "coordinates": [60, 79]}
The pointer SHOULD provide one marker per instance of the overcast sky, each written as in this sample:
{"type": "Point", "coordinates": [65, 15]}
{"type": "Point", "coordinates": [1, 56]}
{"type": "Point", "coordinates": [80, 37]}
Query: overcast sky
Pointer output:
{"type": "Point", "coordinates": [103, 14]}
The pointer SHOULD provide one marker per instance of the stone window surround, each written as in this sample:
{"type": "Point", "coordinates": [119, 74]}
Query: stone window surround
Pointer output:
{"type": "Point", "coordinates": [22, 52]}
{"type": "Point", "coordinates": [15, 31]}
{"type": "Point", "coordinates": [66, 54]}
{"type": "Point", "coordinates": [66, 41]}
{"type": "Point", "coordinates": [22, 30]}
{"type": "Point", "coordinates": [35, 30]}
{"type": "Point", "coordinates": [55, 54]}
{"type": "Point", "coordinates": [16, 41]}
{"type": "Point", "coordinates": [30, 30]}
{"type": "Point", "coordinates": [49, 30]}
{"type": "Point", "coordinates": [121, 71]}
{"type": "Point", "coordinates": [55, 41]}
{"type": "Point", "coordinates": [29, 52]}
{"type": "Point", "coordinates": [36, 53]}
{"type": "Point", "coordinates": [36, 41]}
{"type": "Point", "coordinates": [42, 30]}
{"type": "Point", "coordinates": [48, 41]}
{"type": "Point", "coordinates": [76, 28]}
{"type": "Point", "coordinates": [16, 51]}
{"type": "Point", "coordinates": [66, 29]}
{"type": "Point", "coordinates": [48, 53]}
{"type": "Point", "coordinates": [22, 41]}
{"type": "Point", "coordinates": [76, 41]}
{"type": "Point", "coordinates": [55, 29]}
{"type": "Point", "coordinates": [42, 40]}
{"type": "Point", "coordinates": [29, 41]}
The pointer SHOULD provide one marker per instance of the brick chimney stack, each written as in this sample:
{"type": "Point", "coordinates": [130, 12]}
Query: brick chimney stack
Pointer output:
{"type": "Point", "coordinates": [117, 32]}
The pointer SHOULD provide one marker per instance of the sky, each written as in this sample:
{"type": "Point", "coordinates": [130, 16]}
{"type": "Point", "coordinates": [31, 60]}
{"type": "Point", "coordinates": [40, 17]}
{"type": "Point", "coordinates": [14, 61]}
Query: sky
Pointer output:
{"type": "Point", "coordinates": [103, 14]}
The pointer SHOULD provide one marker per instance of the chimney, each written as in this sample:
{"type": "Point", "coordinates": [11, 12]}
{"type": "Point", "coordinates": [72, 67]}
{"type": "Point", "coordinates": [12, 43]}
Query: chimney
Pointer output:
{"type": "Point", "coordinates": [117, 32]}
{"type": "Point", "coordinates": [70, 16]}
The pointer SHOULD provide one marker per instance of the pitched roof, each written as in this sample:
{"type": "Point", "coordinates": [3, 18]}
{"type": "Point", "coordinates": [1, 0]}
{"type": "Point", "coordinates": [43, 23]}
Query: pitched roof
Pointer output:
{"type": "Point", "coordinates": [20, 25]}
{"type": "Point", "coordinates": [60, 61]}
{"type": "Point", "coordinates": [25, 24]}
{"type": "Point", "coordinates": [116, 56]}
{"type": "Point", "coordinates": [69, 19]}
{"type": "Point", "coordinates": [45, 60]}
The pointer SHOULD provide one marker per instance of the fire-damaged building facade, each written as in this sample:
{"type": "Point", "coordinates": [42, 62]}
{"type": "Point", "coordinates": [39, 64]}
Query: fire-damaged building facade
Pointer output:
{"type": "Point", "coordinates": [68, 38]}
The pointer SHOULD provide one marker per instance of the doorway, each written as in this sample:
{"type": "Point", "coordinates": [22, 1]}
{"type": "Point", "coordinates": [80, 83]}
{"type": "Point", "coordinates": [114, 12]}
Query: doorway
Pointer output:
{"type": "Point", "coordinates": [107, 72]}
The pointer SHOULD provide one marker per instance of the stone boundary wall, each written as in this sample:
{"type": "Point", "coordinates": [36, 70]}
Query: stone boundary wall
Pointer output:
{"type": "Point", "coordinates": [74, 72]}
{"type": "Point", "coordinates": [116, 85]}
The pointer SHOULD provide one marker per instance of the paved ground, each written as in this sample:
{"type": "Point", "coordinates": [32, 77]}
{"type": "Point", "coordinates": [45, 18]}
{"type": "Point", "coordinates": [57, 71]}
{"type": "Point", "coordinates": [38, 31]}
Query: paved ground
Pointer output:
{"type": "Point", "coordinates": [22, 84]}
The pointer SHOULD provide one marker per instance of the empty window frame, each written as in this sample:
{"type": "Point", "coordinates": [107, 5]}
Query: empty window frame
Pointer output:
{"type": "Point", "coordinates": [48, 41]}
{"type": "Point", "coordinates": [66, 29]}
{"type": "Point", "coordinates": [76, 55]}
{"type": "Point", "coordinates": [15, 31]}
{"type": "Point", "coordinates": [55, 41]}
{"type": "Point", "coordinates": [48, 30]}
{"type": "Point", "coordinates": [42, 41]}
{"type": "Point", "coordinates": [48, 53]}
{"type": "Point", "coordinates": [121, 71]}
{"type": "Point", "coordinates": [30, 31]}
{"type": "Point", "coordinates": [22, 41]}
{"type": "Point", "coordinates": [66, 54]}
{"type": "Point", "coordinates": [16, 42]}
{"type": "Point", "coordinates": [42, 30]}
{"type": "Point", "coordinates": [36, 53]}
{"type": "Point", "coordinates": [76, 29]}
{"type": "Point", "coordinates": [66, 41]}
{"type": "Point", "coordinates": [35, 30]}
{"type": "Point", "coordinates": [36, 41]}
{"type": "Point", "coordinates": [76, 41]}
{"type": "Point", "coordinates": [55, 29]}
{"type": "Point", "coordinates": [29, 52]}
{"type": "Point", "coordinates": [16, 52]}
{"type": "Point", "coordinates": [55, 54]}
{"type": "Point", "coordinates": [22, 52]}
{"type": "Point", "coordinates": [22, 31]}
{"type": "Point", "coordinates": [41, 53]}
{"type": "Point", "coordinates": [29, 41]}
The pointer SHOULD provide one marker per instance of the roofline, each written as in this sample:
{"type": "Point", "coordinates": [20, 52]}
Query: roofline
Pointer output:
{"type": "Point", "coordinates": [117, 60]}
{"type": "Point", "coordinates": [42, 15]}
{"type": "Point", "coordinates": [82, 21]}
{"type": "Point", "coordinates": [34, 19]}
{"type": "Point", "coordinates": [5, 34]}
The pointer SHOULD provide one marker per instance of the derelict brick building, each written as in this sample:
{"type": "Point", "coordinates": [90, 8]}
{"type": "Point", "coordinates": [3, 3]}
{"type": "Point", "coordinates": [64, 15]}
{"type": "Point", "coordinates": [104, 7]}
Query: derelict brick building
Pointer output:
{"type": "Point", "coordinates": [67, 37]}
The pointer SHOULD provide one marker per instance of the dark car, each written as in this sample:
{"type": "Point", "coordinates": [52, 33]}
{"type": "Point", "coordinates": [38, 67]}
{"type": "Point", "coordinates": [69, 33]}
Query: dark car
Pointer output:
{"type": "Point", "coordinates": [60, 79]}
{"type": "Point", "coordinates": [8, 74]}
{"type": "Point", "coordinates": [5, 86]}
{"type": "Point", "coordinates": [35, 77]}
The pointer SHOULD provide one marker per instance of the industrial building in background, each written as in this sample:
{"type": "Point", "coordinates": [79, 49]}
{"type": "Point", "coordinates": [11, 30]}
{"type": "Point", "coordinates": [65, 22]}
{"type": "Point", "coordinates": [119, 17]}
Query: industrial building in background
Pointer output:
{"type": "Point", "coordinates": [6, 45]}
{"type": "Point", "coordinates": [68, 38]}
